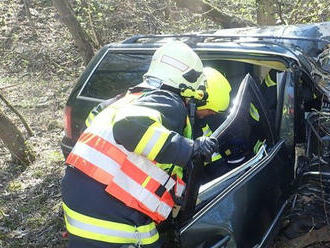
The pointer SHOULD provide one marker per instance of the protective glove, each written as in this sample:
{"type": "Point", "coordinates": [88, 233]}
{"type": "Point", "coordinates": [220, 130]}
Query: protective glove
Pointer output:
{"type": "Point", "coordinates": [204, 147]}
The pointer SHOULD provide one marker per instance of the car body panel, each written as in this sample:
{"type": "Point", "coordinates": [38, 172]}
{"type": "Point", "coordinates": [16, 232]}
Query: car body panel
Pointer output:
{"type": "Point", "coordinates": [310, 38]}
{"type": "Point", "coordinates": [247, 206]}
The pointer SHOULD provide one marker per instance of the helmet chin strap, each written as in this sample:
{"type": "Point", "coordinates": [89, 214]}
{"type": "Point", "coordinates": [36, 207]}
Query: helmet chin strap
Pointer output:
{"type": "Point", "coordinates": [194, 98]}
{"type": "Point", "coordinates": [192, 111]}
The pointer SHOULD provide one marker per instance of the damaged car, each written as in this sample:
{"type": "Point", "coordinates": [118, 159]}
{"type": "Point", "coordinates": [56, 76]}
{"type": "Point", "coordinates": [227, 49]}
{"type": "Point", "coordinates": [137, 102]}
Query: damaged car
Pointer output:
{"type": "Point", "coordinates": [281, 126]}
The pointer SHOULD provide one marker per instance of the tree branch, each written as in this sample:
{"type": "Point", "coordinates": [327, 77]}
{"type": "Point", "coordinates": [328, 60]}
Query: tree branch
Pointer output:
{"type": "Point", "coordinates": [28, 129]}
{"type": "Point", "coordinates": [214, 13]}
{"type": "Point", "coordinates": [10, 86]}
{"type": "Point", "coordinates": [280, 12]}
{"type": "Point", "coordinates": [80, 37]}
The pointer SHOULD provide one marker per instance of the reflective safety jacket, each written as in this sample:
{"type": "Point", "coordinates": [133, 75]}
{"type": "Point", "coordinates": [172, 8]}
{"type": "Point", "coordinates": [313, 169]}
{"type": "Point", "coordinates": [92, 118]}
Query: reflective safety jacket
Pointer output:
{"type": "Point", "coordinates": [129, 144]}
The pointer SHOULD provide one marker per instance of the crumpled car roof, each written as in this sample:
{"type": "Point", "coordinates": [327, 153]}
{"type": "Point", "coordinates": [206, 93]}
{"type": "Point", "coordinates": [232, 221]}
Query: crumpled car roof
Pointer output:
{"type": "Point", "coordinates": [311, 38]}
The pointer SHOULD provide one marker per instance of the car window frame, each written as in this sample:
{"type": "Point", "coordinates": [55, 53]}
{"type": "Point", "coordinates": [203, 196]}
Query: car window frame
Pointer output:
{"type": "Point", "coordinates": [225, 53]}
{"type": "Point", "coordinates": [288, 80]}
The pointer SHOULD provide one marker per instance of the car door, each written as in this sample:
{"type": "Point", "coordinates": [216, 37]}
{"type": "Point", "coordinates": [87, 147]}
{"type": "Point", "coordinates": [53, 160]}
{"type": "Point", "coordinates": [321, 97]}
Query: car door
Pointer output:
{"type": "Point", "coordinates": [241, 208]}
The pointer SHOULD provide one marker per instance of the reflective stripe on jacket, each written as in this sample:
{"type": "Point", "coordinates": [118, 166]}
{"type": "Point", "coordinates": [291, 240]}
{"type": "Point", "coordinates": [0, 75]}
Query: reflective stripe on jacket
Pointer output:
{"type": "Point", "coordinates": [269, 82]}
{"type": "Point", "coordinates": [108, 231]}
{"type": "Point", "coordinates": [131, 177]}
{"type": "Point", "coordinates": [206, 130]}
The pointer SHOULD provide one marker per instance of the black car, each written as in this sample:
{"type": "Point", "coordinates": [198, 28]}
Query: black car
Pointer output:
{"type": "Point", "coordinates": [240, 207]}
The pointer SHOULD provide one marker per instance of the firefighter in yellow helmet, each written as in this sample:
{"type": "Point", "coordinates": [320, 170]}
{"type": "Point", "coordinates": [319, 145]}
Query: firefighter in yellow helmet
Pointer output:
{"type": "Point", "coordinates": [218, 90]}
{"type": "Point", "coordinates": [211, 114]}
{"type": "Point", "coordinates": [125, 171]}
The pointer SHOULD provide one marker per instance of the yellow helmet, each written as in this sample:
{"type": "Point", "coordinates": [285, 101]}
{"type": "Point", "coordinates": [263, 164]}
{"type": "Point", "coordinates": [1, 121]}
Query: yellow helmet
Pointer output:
{"type": "Point", "coordinates": [218, 90]}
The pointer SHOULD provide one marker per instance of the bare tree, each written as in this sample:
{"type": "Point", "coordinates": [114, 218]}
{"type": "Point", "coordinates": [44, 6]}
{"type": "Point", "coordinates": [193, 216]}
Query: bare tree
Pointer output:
{"type": "Point", "coordinates": [80, 37]}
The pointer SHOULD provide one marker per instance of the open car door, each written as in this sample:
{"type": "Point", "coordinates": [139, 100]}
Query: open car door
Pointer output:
{"type": "Point", "coordinates": [238, 208]}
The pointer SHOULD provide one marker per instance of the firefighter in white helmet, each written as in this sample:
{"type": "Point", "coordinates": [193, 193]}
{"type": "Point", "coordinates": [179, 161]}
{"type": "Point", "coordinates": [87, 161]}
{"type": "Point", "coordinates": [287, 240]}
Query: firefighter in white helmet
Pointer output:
{"type": "Point", "coordinates": [125, 171]}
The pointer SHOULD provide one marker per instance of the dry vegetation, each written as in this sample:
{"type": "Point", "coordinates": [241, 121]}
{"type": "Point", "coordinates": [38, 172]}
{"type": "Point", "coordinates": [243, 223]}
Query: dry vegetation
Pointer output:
{"type": "Point", "coordinates": [30, 197]}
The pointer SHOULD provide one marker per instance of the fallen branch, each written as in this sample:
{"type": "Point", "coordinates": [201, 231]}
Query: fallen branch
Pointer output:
{"type": "Point", "coordinates": [10, 86]}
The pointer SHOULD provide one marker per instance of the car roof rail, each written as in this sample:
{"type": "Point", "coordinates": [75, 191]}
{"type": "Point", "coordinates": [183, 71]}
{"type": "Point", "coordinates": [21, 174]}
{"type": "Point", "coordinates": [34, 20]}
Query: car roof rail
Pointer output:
{"type": "Point", "coordinates": [132, 39]}
{"type": "Point", "coordinates": [161, 37]}
{"type": "Point", "coordinates": [206, 37]}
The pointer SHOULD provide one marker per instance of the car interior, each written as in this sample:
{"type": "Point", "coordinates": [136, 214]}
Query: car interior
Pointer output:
{"type": "Point", "coordinates": [248, 123]}
{"type": "Point", "coordinates": [245, 127]}
{"type": "Point", "coordinates": [248, 130]}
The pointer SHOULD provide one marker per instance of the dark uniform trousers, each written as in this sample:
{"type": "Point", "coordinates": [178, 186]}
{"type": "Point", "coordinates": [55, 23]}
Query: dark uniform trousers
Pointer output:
{"type": "Point", "coordinates": [88, 197]}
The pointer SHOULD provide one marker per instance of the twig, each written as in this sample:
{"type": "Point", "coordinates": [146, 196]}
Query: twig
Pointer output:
{"type": "Point", "coordinates": [294, 10]}
{"type": "Point", "coordinates": [28, 13]}
{"type": "Point", "coordinates": [280, 12]}
{"type": "Point", "coordinates": [28, 129]}
{"type": "Point", "coordinates": [96, 37]}
{"type": "Point", "coordinates": [10, 86]}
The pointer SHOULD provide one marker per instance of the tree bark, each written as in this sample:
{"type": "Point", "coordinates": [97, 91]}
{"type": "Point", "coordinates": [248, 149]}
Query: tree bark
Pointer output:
{"type": "Point", "coordinates": [265, 12]}
{"type": "Point", "coordinates": [214, 13]}
{"type": "Point", "coordinates": [80, 37]}
{"type": "Point", "coordinates": [14, 141]}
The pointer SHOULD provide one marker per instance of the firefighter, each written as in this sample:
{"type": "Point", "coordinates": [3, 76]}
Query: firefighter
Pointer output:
{"type": "Point", "coordinates": [218, 90]}
{"type": "Point", "coordinates": [124, 174]}
{"type": "Point", "coordinates": [210, 111]}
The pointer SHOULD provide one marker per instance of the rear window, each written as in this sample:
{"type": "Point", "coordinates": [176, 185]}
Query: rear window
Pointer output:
{"type": "Point", "coordinates": [115, 74]}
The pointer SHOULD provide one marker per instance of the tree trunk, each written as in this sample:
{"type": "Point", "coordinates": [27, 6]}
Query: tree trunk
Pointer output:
{"type": "Point", "coordinates": [14, 141]}
{"type": "Point", "coordinates": [265, 12]}
{"type": "Point", "coordinates": [214, 13]}
{"type": "Point", "coordinates": [80, 37]}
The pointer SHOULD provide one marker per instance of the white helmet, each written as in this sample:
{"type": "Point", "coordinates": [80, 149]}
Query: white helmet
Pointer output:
{"type": "Point", "coordinates": [176, 65]}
